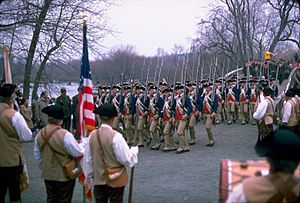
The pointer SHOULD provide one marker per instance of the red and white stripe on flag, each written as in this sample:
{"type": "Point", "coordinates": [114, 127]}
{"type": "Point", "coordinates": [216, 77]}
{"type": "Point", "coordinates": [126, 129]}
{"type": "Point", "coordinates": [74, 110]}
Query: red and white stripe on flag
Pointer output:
{"type": "Point", "coordinates": [8, 78]}
{"type": "Point", "coordinates": [86, 101]}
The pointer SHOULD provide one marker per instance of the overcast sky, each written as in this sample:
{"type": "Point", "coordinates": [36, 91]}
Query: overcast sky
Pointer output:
{"type": "Point", "coordinates": [150, 24]}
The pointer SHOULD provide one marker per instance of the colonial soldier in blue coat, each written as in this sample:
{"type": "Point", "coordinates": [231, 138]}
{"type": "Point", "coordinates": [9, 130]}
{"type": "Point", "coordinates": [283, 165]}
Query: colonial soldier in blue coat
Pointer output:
{"type": "Point", "coordinates": [208, 110]}
{"type": "Point", "coordinates": [182, 112]}
{"type": "Point", "coordinates": [127, 109]}
{"type": "Point", "coordinates": [231, 100]}
{"type": "Point", "coordinates": [192, 111]}
{"type": "Point", "coordinates": [142, 111]}
{"type": "Point", "coordinates": [155, 113]}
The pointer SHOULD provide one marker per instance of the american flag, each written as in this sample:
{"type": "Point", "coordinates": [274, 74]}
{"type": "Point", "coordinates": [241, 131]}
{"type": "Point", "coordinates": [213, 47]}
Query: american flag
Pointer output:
{"type": "Point", "coordinates": [86, 103]}
{"type": "Point", "coordinates": [7, 70]}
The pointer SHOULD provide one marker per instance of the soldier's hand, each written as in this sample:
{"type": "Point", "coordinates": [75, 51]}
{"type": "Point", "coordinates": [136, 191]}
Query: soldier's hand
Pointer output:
{"type": "Point", "coordinates": [184, 117]}
{"type": "Point", "coordinates": [173, 121]}
{"type": "Point", "coordinates": [197, 113]}
{"type": "Point", "coordinates": [213, 115]}
{"type": "Point", "coordinates": [200, 117]}
{"type": "Point", "coordinates": [155, 116]}
{"type": "Point", "coordinates": [129, 117]}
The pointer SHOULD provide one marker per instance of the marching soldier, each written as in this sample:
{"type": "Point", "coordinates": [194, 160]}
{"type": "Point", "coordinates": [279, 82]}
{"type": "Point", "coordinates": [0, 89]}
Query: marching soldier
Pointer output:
{"type": "Point", "coordinates": [181, 115]}
{"type": "Point", "coordinates": [102, 95]}
{"type": "Point", "coordinates": [208, 110]}
{"type": "Point", "coordinates": [193, 112]}
{"type": "Point", "coordinates": [231, 100]}
{"type": "Point", "coordinates": [155, 113]}
{"type": "Point", "coordinates": [220, 95]}
{"type": "Point", "coordinates": [243, 102]}
{"type": "Point", "coordinates": [116, 101]}
{"type": "Point", "coordinates": [168, 120]}
{"type": "Point", "coordinates": [142, 110]}
{"type": "Point", "coordinates": [251, 94]}
{"type": "Point", "coordinates": [128, 110]}
{"type": "Point", "coordinates": [111, 94]}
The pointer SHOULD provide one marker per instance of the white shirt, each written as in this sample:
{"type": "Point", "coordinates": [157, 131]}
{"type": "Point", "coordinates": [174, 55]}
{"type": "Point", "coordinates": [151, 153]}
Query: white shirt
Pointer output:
{"type": "Point", "coordinates": [287, 112]}
{"type": "Point", "coordinates": [237, 195]}
{"type": "Point", "coordinates": [124, 155]}
{"type": "Point", "coordinates": [71, 145]}
{"type": "Point", "coordinates": [19, 123]}
{"type": "Point", "coordinates": [261, 108]}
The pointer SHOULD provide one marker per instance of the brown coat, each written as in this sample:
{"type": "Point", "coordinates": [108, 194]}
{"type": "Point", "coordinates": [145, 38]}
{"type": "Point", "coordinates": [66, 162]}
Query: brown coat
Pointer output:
{"type": "Point", "coordinates": [106, 137]}
{"type": "Point", "coordinates": [11, 151]}
{"type": "Point", "coordinates": [26, 112]}
{"type": "Point", "coordinates": [52, 168]}
{"type": "Point", "coordinates": [294, 120]}
{"type": "Point", "coordinates": [270, 111]}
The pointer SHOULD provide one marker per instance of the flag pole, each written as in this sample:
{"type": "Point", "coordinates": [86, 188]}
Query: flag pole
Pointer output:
{"type": "Point", "coordinates": [86, 123]}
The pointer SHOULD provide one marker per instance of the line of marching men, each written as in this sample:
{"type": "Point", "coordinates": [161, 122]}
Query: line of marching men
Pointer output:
{"type": "Point", "coordinates": [168, 109]}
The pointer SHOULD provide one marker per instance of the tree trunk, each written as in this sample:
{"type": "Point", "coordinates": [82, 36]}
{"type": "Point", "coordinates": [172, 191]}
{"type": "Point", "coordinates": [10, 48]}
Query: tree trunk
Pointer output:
{"type": "Point", "coordinates": [34, 41]}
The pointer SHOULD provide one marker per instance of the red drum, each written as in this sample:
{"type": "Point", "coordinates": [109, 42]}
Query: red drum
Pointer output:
{"type": "Point", "coordinates": [234, 172]}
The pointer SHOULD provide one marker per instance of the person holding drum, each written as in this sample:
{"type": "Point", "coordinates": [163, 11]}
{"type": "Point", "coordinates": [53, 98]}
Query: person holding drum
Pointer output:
{"type": "Point", "coordinates": [282, 184]}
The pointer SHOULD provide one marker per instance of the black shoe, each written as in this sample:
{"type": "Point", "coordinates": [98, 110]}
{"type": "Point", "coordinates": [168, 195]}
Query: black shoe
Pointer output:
{"type": "Point", "coordinates": [210, 144]}
{"type": "Point", "coordinates": [155, 148]}
{"type": "Point", "coordinates": [141, 145]}
{"type": "Point", "coordinates": [179, 151]}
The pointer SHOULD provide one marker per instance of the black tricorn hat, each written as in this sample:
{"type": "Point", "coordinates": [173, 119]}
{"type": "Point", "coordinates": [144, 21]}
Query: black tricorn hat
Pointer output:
{"type": "Point", "coordinates": [6, 90]}
{"type": "Point", "coordinates": [282, 144]}
{"type": "Point", "coordinates": [127, 87]}
{"type": "Point", "coordinates": [179, 87]}
{"type": "Point", "coordinates": [138, 86]}
{"type": "Point", "coordinates": [116, 87]}
{"type": "Point", "coordinates": [108, 110]}
{"type": "Point", "coordinates": [252, 81]}
{"type": "Point", "coordinates": [231, 80]}
{"type": "Point", "coordinates": [168, 89]}
{"type": "Point", "coordinates": [207, 84]}
{"type": "Point", "coordinates": [55, 111]}
{"type": "Point", "coordinates": [152, 87]}
{"type": "Point", "coordinates": [163, 83]}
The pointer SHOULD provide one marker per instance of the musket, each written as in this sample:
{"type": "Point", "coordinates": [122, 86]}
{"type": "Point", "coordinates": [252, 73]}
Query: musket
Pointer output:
{"type": "Point", "coordinates": [174, 82]}
{"type": "Point", "coordinates": [210, 70]}
{"type": "Point", "coordinates": [222, 90]}
{"type": "Point", "coordinates": [184, 79]}
{"type": "Point", "coordinates": [202, 70]}
{"type": "Point", "coordinates": [142, 74]}
{"type": "Point", "coordinates": [159, 73]}
{"type": "Point", "coordinates": [107, 98]}
{"type": "Point", "coordinates": [147, 80]}
{"type": "Point", "coordinates": [156, 69]}
{"type": "Point", "coordinates": [260, 67]}
{"type": "Point", "coordinates": [197, 75]}
{"type": "Point", "coordinates": [248, 74]}
{"type": "Point", "coordinates": [122, 81]}
{"type": "Point", "coordinates": [237, 74]}
{"type": "Point", "coordinates": [277, 72]}
{"type": "Point", "coordinates": [214, 80]}
{"type": "Point", "coordinates": [135, 135]}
